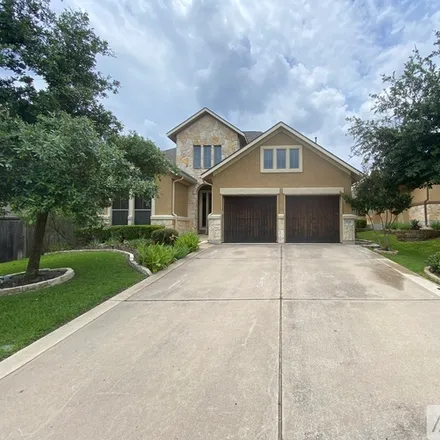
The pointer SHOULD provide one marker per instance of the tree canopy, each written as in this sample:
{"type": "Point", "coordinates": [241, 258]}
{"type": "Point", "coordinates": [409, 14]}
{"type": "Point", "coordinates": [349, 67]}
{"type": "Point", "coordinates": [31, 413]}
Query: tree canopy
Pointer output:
{"type": "Point", "coordinates": [402, 139]}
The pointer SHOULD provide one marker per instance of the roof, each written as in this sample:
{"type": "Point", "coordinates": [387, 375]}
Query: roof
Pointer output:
{"type": "Point", "coordinates": [251, 135]}
{"type": "Point", "coordinates": [172, 134]}
{"type": "Point", "coordinates": [291, 130]}
{"type": "Point", "coordinates": [171, 156]}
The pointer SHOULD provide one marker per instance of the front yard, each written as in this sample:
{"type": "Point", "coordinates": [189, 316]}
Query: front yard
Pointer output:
{"type": "Point", "coordinates": [26, 317]}
{"type": "Point", "coordinates": [412, 255]}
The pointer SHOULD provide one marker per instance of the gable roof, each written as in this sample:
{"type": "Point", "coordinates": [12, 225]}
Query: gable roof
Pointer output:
{"type": "Point", "coordinates": [172, 134]}
{"type": "Point", "coordinates": [306, 140]}
{"type": "Point", "coordinates": [170, 154]}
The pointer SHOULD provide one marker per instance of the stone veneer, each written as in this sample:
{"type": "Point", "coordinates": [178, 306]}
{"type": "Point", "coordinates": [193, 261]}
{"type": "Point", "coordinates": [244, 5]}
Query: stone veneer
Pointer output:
{"type": "Point", "coordinates": [418, 213]}
{"type": "Point", "coordinates": [348, 228]}
{"type": "Point", "coordinates": [215, 228]}
{"type": "Point", "coordinates": [205, 131]}
{"type": "Point", "coordinates": [281, 229]}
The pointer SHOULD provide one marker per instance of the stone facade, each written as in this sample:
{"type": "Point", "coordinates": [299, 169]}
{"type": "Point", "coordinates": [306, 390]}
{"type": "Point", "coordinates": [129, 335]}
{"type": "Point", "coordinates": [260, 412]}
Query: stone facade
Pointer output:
{"type": "Point", "coordinates": [215, 228]}
{"type": "Point", "coordinates": [205, 131]}
{"type": "Point", "coordinates": [432, 211]}
{"type": "Point", "coordinates": [164, 220]}
{"type": "Point", "coordinates": [281, 229]}
{"type": "Point", "coordinates": [348, 228]}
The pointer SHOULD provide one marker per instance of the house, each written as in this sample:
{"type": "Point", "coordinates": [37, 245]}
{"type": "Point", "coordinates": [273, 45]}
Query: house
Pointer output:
{"type": "Point", "coordinates": [249, 186]}
{"type": "Point", "coordinates": [425, 207]}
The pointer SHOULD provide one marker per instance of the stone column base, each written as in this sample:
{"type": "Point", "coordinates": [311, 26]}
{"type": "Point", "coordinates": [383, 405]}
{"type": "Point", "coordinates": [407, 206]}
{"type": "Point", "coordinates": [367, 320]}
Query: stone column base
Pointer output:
{"type": "Point", "coordinates": [280, 229]}
{"type": "Point", "coordinates": [215, 228]}
{"type": "Point", "coordinates": [164, 220]}
{"type": "Point", "coordinates": [348, 228]}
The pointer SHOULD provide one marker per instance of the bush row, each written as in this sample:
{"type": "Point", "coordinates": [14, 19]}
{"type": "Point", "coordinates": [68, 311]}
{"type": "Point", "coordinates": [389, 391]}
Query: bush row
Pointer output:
{"type": "Point", "coordinates": [434, 263]}
{"type": "Point", "coordinates": [117, 233]}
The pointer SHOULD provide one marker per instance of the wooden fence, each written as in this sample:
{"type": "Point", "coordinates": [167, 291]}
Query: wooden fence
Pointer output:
{"type": "Point", "coordinates": [16, 237]}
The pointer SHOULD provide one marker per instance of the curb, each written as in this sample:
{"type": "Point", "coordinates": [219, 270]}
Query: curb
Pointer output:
{"type": "Point", "coordinates": [32, 351]}
{"type": "Point", "coordinates": [68, 275]}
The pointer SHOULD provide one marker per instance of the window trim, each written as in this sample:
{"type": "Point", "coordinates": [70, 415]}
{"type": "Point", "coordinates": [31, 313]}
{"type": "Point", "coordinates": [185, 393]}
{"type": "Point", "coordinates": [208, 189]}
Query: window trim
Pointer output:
{"type": "Point", "coordinates": [199, 147]}
{"type": "Point", "coordinates": [206, 148]}
{"type": "Point", "coordinates": [281, 170]}
{"type": "Point", "coordinates": [215, 149]}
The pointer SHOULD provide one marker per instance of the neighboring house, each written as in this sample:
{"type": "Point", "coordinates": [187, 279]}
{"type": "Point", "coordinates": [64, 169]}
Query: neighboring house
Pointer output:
{"type": "Point", "coordinates": [249, 186]}
{"type": "Point", "coordinates": [425, 208]}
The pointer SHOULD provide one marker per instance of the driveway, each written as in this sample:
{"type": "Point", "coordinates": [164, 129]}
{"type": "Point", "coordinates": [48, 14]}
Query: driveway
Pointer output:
{"type": "Point", "coordinates": [252, 342]}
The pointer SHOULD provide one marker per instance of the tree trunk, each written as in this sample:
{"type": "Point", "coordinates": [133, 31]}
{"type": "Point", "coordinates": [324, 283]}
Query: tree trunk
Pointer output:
{"type": "Point", "coordinates": [33, 266]}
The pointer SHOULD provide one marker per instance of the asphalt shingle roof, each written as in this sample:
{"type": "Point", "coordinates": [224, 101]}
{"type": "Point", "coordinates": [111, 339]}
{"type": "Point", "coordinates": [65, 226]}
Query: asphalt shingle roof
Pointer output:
{"type": "Point", "coordinates": [251, 135]}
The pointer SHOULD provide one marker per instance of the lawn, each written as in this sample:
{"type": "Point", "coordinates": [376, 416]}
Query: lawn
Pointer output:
{"type": "Point", "coordinates": [412, 255]}
{"type": "Point", "coordinates": [28, 316]}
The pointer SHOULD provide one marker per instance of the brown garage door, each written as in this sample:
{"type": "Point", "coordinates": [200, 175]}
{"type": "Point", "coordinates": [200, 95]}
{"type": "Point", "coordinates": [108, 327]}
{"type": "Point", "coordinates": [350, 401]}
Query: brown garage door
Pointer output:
{"type": "Point", "coordinates": [250, 219]}
{"type": "Point", "coordinates": [312, 219]}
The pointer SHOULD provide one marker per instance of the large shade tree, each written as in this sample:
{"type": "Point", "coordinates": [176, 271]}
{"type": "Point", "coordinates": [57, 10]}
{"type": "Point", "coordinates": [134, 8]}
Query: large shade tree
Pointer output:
{"type": "Point", "coordinates": [402, 138]}
{"type": "Point", "coordinates": [61, 165]}
{"type": "Point", "coordinates": [60, 149]}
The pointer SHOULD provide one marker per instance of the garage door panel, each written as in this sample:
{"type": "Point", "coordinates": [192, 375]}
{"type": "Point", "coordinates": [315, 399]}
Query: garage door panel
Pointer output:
{"type": "Point", "coordinates": [250, 219]}
{"type": "Point", "coordinates": [312, 219]}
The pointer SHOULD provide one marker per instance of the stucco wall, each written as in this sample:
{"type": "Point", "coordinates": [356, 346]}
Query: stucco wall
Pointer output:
{"type": "Point", "coordinates": [245, 173]}
{"type": "Point", "coordinates": [181, 199]}
{"type": "Point", "coordinates": [163, 198]}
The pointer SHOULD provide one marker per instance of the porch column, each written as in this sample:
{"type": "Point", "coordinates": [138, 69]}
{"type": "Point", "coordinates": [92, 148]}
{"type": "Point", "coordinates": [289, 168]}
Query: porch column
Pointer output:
{"type": "Point", "coordinates": [131, 211]}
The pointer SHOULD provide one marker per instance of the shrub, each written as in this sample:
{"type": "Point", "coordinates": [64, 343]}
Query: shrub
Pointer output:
{"type": "Point", "coordinates": [164, 236]}
{"type": "Point", "coordinates": [361, 223]}
{"type": "Point", "coordinates": [190, 240]}
{"type": "Point", "coordinates": [401, 226]}
{"type": "Point", "coordinates": [86, 235]}
{"type": "Point", "coordinates": [435, 225]}
{"type": "Point", "coordinates": [434, 263]}
{"type": "Point", "coordinates": [118, 233]}
{"type": "Point", "coordinates": [414, 225]}
{"type": "Point", "coordinates": [180, 251]}
{"type": "Point", "coordinates": [155, 256]}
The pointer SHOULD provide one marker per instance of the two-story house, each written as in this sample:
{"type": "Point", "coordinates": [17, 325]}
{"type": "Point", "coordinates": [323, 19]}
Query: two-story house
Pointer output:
{"type": "Point", "coordinates": [240, 186]}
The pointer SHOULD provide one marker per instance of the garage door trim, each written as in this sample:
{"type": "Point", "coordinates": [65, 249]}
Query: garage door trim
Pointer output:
{"type": "Point", "coordinates": [250, 191]}
{"type": "Point", "coordinates": [323, 191]}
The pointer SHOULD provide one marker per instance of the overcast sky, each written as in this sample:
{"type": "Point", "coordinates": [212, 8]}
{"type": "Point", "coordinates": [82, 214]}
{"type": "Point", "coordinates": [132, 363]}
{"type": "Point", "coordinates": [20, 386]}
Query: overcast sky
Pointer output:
{"type": "Point", "coordinates": [309, 63]}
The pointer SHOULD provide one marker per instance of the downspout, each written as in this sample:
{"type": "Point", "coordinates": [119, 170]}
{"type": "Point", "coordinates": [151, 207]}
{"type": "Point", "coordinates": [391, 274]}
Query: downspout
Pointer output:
{"type": "Point", "coordinates": [173, 200]}
{"type": "Point", "coordinates": [425, 207]}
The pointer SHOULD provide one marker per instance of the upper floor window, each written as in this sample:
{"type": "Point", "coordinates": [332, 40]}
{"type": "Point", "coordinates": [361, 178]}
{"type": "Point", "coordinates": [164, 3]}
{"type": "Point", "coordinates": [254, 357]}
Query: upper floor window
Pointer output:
{"type": "Point", "coordinates": [209, 155]}
{"type": "Point", "coordinates": [197, 156]}
{"type": "Point", "coordinates": [207, 160]}
{"type": "Point", "coordinates": [217, 154]}
{"type": "Point", "coordinates": [281, 159]}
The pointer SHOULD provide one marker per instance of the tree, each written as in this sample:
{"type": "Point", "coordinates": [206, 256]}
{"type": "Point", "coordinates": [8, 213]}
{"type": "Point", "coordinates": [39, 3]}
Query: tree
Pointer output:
{"type": "Point", "coordinates": [377, 194]}
{"type": "Point", "coordinates": [50, 62]}
{"type": "Point", "coordinates": [403, 137]}
{"type": "Point", "coordinates": [60, 164]}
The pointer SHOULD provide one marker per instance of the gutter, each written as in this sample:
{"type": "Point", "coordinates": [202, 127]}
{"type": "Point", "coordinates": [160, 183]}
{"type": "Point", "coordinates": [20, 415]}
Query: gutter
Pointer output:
{"type": "Point", "coordinates": [174, 199]}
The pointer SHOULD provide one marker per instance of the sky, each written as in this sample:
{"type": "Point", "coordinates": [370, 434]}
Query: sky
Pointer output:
{"type": "Point", "coordinates": [309, 63]}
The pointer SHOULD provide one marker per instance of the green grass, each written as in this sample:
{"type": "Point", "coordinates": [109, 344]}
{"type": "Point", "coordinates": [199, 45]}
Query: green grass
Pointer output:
{"type": "Point", "coordinates": [28, 316]}
{"type": "Point", "coordinates": [412, 255]}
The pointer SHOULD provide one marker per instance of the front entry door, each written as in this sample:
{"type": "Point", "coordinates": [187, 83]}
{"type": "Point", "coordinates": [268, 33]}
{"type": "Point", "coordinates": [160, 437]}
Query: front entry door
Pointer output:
{"type": "Point", "coordinates": [205, 205]}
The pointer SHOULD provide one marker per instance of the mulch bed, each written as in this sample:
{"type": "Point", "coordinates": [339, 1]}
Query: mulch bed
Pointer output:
{"type": "Point", "coordinates": [7, 281]}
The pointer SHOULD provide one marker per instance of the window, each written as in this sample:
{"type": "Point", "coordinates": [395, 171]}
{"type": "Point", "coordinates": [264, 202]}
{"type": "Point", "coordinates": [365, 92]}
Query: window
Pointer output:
{"type": "Point", "coordinates": [217, 154]}
{"type": "Point", "coordinates": [197, 156]}
{"type": "Point", "coordinates": [294, 158]}
{"type": "Point", "coordinates": [207, 156]}
{"type": "Point", "coordinates": [142, 211]}
{"type": "Point", "coordinates": [268, 159]}
{"type": "Point", "coordinates": [281, 159]}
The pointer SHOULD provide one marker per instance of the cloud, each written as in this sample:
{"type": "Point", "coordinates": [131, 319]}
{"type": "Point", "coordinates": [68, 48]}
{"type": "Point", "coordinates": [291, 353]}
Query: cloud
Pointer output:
{"type": "Point", "coordinates": [310, 64]}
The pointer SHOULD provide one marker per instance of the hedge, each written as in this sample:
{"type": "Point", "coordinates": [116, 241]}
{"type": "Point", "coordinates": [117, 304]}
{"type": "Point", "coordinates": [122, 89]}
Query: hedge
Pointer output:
{"type": "Point", "coordinates": [121, 233]}
{"type": "Point", "coordinates": [361, 223]}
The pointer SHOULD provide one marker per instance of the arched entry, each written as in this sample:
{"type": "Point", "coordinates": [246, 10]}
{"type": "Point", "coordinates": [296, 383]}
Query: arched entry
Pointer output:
{"type": "Point", "coordinates": [204, 208]}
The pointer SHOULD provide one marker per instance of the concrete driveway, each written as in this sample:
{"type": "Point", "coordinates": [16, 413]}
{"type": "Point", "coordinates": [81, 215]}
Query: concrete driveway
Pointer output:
{"type": "Point", "coordinates": [243, 342]}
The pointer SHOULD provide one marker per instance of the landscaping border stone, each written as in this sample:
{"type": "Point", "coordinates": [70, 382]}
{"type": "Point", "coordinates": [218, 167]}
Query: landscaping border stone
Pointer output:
{"type": "Point", "coordinates": [66, 276]}
{"type": "Point", "coordinates": [417, 234]}
{"type": "Point", "coordinates": [130, 258]}
{"type": "Point", "coordinates": [432, 276]}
